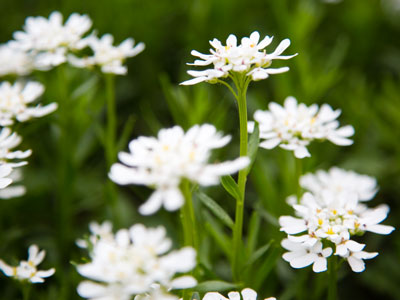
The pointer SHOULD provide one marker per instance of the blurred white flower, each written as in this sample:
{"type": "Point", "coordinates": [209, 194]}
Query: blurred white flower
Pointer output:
{"type": "Point", "coordinates": [135, 262]}
{"type": "Point", "coordinates": [49, 40]}
{"type": "Point", "coordinates": [332, 215]}
{"type": "Point", "coordinates": [110, 58]}
{"type": "Point", "coordinates": [5, 171]}
{"type": "Point", "coordinates": [293, 126]}
{"type": "Point", "coordinates": [27, 270]}
{"type": "Point", "coordinates": [14, 61]}
{"type": "Point", "coordinates": [247, 294]}
{"type": "Point", "coordinates": [14, 190]}
{"type": "Point", "coordinates": [14, 101]}
{"type": "Point", "coordinates": [249, 57]}
{"type": "Point", "coordinates": [164, 161]}
{"type": "Point", "coordinates": [8, 141]}
{"type": "Point", "coordinates": [340, 183]}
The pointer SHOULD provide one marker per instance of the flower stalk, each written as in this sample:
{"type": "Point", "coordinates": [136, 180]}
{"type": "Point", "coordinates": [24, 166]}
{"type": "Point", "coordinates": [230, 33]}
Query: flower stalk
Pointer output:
{"type": "Point", "coordinates": [188, 216]}
{"type": "Point", "coordinates": [110, 143]}
{"type": "Point", "coordinates": [332, 283]}
{"type": "Point", "coordinates": [241, 82]}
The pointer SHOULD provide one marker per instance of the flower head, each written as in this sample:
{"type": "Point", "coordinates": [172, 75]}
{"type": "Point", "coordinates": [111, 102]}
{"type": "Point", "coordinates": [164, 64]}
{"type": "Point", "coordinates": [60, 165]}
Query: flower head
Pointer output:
{"type": "Point", "coordinates": [245, 294]}
{"type": "Point", "coordinates": [49, 40]}
{"type": "Point", "coordinates": [332, 218]}
{"type": "Point", "coordinates": [27, 270]}
{"type": "Point", "coordinates": [249, 57]}
{"type": "Point", "coordinates": [293, 126]}
{"type": "Point", "coordinates": [14, 61]}
{"type": "Point", "coordinates": [135, 262]}
{"type": "Point", "coordinates": [110, 58]}
{"type": "Point", "coordinates": [14, 101]}
{"type": "Point", "coordinates": [164, 161]}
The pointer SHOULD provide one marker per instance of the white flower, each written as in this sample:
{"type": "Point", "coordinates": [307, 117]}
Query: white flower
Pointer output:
{"type": "Point", "coordinates": [12, 191]}
{"type": "Point", "coordinates": [300, 255]}
{"type": "Point", "coordinates": [249, 57]}
{"type": "Point", "coordinates": [247, 294]}
{"type": "Point", "coordinates": [110, 58]}
{"type": "Point", "coordinates": [5, 171]}
{"type": "Point", "coordinates": [14, 61]}
{"type": "Point", "coordinates": [340, 183]}
{"type": "Point", "coordinates": [332, 215]}
{"type": "Point", "coordinates": [27, 270]}
{"type": "Point", "coordinates": [48, 40]}
{"type": "Point", "coordinates": [14, 101]}
{"type": "Point", "coordinates": [164, 161]}
{"type": "Point", "coordinates": [8, 141]}
{"type": "Point", "coordinates": [293, 126]}
{"type": "Point", "coordinates": [133, 262]}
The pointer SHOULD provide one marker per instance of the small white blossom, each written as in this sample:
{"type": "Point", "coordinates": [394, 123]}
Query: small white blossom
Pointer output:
{"type": "Point", "coordinates": [135, 262]}
{"type": "Point", "coordinates": [340, 183]}
{"type": "Point", "coordinates": [110, 58]}
{"type": "Point", "coordinates": [13, 190]}
{"type": "Point", "coordinates": [49, 40]}
{"type": "Point", "coordinates": [27, 270]}
{"type": "Point", "coordinates": [293, 126]}
{"type": "Point", "coordinates": [8, 141]}
{"type": "Point", "coordinates": [164, 161]}
{"type": "Point", "coordinates": [332, 215]}
{"type": "Point", "coordinates": [5, 171]}
{"type": "Point", "coordinates": [247, 294]}
{"type": "Point", "coordinates": [14, 101]}
{"type": "Point", "coordinates": [14, 61]}
{"type": "Point", "coordinates": [248, 57]}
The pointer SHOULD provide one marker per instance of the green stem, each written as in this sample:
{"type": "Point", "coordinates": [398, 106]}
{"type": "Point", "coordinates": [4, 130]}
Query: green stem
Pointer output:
{"type": "Point", "coordinates": [241, 85]}
{"type": "Point", "coordinates": [110, 145]}
{"type": "Point", "coordinates": [299, 172]}
{"type": "Point", "coordinates": [332, 286]}
{"type": "Point", "coordinates": [65, 190]}
{"type": "Point", "coordinates": [26, 291]}
{"type": "Point", "coordinates": [188, 217]}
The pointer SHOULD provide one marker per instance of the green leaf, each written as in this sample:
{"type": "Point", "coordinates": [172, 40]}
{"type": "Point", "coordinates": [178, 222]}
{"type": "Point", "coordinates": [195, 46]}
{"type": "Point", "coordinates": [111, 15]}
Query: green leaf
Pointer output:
{"type": "Point", "coordinates": [254, 227]}
{"type": "Point", "coordinates": [268, 264]}
{"type": "Point", "coordinates": [217, 234]}
{"type": "Point", "coordinates": [126, 132]}
{"type": "Point", "coordinates": [231, 186]}
{"type": "Point", "coordinates": [216, 209]}
{"type": "Point", "coordinates": [214, 286]}
{"type": "Point", "coordinates": [258, 253]}
{"type": "Point", "coordinates": [253, 146]}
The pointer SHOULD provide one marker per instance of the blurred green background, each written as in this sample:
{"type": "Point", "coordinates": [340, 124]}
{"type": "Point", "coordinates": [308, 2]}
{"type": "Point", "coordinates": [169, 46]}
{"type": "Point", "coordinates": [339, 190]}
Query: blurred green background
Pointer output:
{"type": "Point", "coordinates": [349, 57]}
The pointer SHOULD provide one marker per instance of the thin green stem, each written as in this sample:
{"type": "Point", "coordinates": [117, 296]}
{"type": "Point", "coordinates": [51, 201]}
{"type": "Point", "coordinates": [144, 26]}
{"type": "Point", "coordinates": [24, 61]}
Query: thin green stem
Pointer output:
{"type": "Point", "coordinates": [189, 219]}
{"type": "Point", "coordinates": [241, 85]}
{"type": "Point", "coordinates": [332, 285]}
{"type": "Point", "coordinates": [26, 290]}
{"type": "Point", "coordinates": [299, 172]}
{"type": "Point", "coordinates": [229, 87]}
{"type": "Point", "coordinates": [110, 144]}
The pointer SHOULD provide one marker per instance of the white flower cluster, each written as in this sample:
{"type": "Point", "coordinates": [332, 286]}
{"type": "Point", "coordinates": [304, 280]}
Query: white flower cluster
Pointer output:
{"type": "Point", "coordinates": [9, 161]}
{"type": "Point", "coordinates": [134, 262]}
{"type": "Point", "coordinates": [328, 216]}
{"type": "Point", "coordinates": [249, 57]}
{"type": "Point", "coordinates": [247, 294]}
{"type": "Point", "coordinates": [15, 98]}
{"type": "Point", "coordinates": [27, 270]}
{"type": "Point", "coordinates": [47, 43]}
{"type": "Point", "coordinates": [293, 126]}
{"type": "Point", "coordinates": [164, 161]}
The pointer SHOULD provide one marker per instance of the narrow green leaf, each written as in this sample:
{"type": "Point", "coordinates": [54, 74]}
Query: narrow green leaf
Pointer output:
{"type": "Point", "coordinates": [230, 186]}
{"type": "Point", "coordinates": [258, 253]}
{"type": "Point", "coordinates": [254, 226]}
{"type": "Point", "coordinates": [214, 286]}
{"type": "Point", "coordinates": [269, 263]}
{"type": "Point", "coordinates": [217, 234]}
{"type": "Point", "coordinates": [216, 209]}
{"type": "Point", "coordinates": [253, 146]}
{"type": "Point", "coordinates": [126, 132]}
